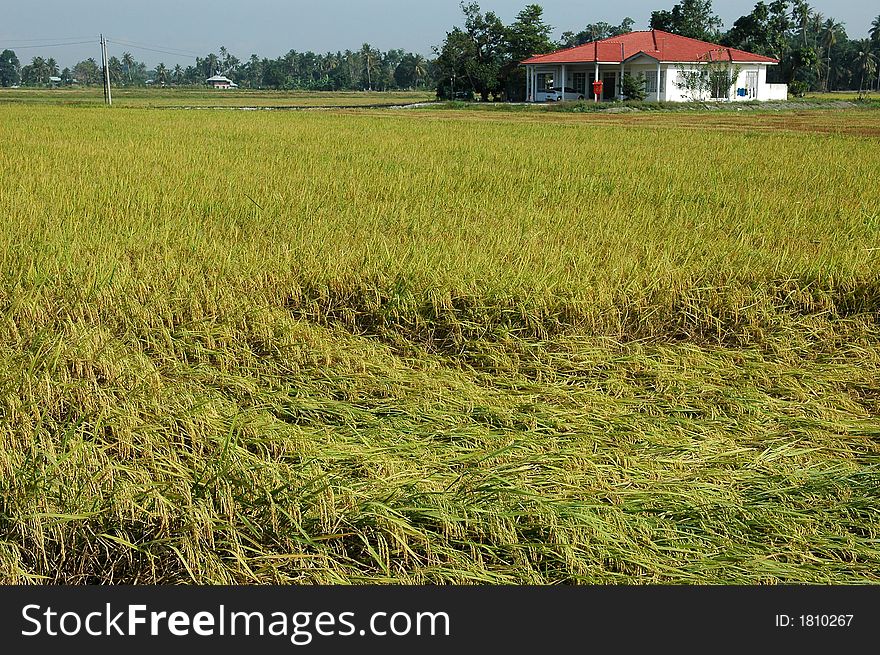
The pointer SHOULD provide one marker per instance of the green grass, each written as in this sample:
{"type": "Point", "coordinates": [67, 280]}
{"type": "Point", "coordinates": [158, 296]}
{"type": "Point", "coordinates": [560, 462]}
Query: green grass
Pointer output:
{"type": "Point", "coordinates": [438, 347]}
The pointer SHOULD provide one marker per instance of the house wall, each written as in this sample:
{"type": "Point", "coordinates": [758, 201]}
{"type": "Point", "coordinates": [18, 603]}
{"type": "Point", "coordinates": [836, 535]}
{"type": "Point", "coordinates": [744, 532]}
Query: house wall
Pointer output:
{"type": "Point", "coordinates": [763, 91]}
{"type": "Point", "coordinates": [669, 91]}
{"type": "Point", "coordinates": [639, 69]}
{"type": "Point", "coordinates": [775, 92]}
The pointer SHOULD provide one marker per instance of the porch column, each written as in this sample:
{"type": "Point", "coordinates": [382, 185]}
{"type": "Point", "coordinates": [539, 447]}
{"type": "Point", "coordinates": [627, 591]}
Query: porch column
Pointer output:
{"type": "Point", "coordinates": [622, 73]}
{"type": "Point", "coordinates": [563, 82]}
{"type": "Point", "coordinates": [658, 81]}
{"type": "Point", "coordinates": [596, 79]}
{"type": "Point", "coordinates": [528, 83]}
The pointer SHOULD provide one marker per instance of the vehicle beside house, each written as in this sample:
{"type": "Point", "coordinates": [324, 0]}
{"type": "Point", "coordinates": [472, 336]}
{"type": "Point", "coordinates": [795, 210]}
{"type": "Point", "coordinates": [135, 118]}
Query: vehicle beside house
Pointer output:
{"type": "Point", "coordinates": [557, 94]}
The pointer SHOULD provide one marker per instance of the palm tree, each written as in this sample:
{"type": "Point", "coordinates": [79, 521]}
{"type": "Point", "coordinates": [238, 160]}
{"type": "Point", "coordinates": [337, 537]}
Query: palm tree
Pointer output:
{"type": "Point", "coordinates": [831, 30]}
{"type": "Point", "coordinates": [115, 67]}
{"type": "Point", "coordinates": [177, 74]}
{"type": "Point", "coordinates": [39, 68]}
{"type": "Point", "coordinates": [52, 67]}
{"type": "Point", "coordinates": [161, 73]}
{"type": "Point", "coordinates": [817, 20]}
{"type": "Point", "coordinates": [420, 68]}
{"type": "Point", "coordinates": [351, 64]}
{"type": "Point", "coordinates": [255, 71]}
{"type": "Point", "coordinates": [866, 62]}
{"type": "Point", "coordinates": [801, 14]}
{"type": "Point", "coordinates": [128, 63]}
{"type": "Point", "coordinates": [874, 32]}
{"type": "Point", "coordinates": [369, 60]}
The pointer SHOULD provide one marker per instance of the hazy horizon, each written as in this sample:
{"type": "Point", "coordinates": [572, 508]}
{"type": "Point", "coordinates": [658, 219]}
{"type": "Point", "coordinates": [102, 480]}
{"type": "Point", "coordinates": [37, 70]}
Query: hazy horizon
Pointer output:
{"type": "Point", "coordinates": [271, 28]}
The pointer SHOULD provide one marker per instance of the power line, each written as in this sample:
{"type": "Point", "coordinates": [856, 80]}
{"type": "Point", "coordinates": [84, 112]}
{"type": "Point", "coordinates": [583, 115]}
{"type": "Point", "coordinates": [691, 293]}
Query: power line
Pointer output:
{"type": "Point", "coordinates": [51, 45]}
{"type": "Point", "coordinates": [5, 40]}
{"type": "Point", "coordinates": [161, 49]}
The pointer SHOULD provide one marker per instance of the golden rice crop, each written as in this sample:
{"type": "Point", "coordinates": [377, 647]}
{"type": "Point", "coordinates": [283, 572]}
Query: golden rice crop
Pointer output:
{"type": "Point", "coordinates": [249, 347]}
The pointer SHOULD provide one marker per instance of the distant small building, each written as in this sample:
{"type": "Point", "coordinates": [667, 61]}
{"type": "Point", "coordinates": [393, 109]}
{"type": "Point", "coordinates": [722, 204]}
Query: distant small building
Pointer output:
{"type": "Point", "coordinates": [54, 81]}
{"type": "Point", "coordinates": [221, 82]}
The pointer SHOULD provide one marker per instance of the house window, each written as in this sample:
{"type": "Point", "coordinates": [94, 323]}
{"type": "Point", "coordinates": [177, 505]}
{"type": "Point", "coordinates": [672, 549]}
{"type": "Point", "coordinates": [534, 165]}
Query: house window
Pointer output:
{"type": "Point", "coordinates": [651, 81]}
{"type": "Point", "coordinates": [720, 83]}
{"type": "Point", "coordinates": [545, 81]}
{"type": "Point", "coordinates": [580, 83]}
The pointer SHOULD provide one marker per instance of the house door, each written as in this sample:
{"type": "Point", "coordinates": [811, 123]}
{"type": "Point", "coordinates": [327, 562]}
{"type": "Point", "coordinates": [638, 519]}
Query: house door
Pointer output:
{"type": "Point", "coordinates": [752, 84]}
{"type": "Point", "coordinates": [609, 86]}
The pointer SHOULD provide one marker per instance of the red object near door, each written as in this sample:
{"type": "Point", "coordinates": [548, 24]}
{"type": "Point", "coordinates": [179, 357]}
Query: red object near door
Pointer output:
{"type": "Point", "coordinates": [597, 88]}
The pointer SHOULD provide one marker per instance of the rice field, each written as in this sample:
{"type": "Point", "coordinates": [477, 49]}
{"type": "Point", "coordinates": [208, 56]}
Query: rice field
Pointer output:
{"type": "Point", "coordinates": [190, 97]}
{"type": "Point", "coordinates": [434, 347]}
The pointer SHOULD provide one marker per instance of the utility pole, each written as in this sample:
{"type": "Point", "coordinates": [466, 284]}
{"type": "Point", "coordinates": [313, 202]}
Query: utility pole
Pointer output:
{"type": "Point", "coordinates": [108, 99]}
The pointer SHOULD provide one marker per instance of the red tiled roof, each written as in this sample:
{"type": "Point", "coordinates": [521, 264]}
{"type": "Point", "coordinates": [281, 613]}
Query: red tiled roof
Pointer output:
{"type": "Point", "coordinates": [660, 45]}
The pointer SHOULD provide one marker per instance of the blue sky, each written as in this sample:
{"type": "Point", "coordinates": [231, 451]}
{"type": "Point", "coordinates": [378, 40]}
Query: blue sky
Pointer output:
{"type": "Point", "coordinates": [272, 27]}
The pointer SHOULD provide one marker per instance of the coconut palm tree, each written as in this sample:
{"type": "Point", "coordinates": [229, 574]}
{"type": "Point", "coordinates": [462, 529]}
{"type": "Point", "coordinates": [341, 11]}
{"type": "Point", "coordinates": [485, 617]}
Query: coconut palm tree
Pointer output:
{"type": "Point", "coordinates": [817, 20]}
{"type": "Point", "coordinates": [369, 61]}
{"type": "Point", "coordinates": [161, 73]}
{"type": "Point", "coordinates": [116, 70]}
{"type": "Point", "coordinates": [866, 63]}
{"type": "Point", "coordinates": [831, 32]}
{"type": "Point", "coordinates": [874, 32]}
{"type": "Point", "coordinates": [801, 14]}
{"type": "Point", "coordinates": [39, 70]}
{"type": "Point", "coordinates": [177, 74]}
{"type": "Point", "coordinates": [128, 63]}
{"type": "Point", "coordinates": [420, 68]}
{"type": "Point", "coordinates": [255, 71]}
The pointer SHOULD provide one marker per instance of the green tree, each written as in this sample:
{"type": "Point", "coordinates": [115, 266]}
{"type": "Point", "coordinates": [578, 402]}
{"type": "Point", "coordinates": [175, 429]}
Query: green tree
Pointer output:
{"type": "Point", "coordinates": [712, 78]}
{"type": "Point", "coordinates": [866, 63]}
{"type": "Point", "coordinates": [528, 35]}
{"type": "Point", "coordinates": [874, 33]}
{"type": "Point", "coordinates": [117, 70]}
{"type": "Point", "coordinates": [128, 63]}
{"type": "Point", "coordinates": [87, 72]}
{"type": "Point", "coordinates": [38, 71]}
{"type": "Point", "coordinates": [10, 69]}
{"type": "Point", "coordinates": [452, 64]}
{"type": "Point", "coordinates": [596, 32]}
{"type": "Point", "coordinates": [369, 62]}
{"type": "Point", "coordinates": [161, 73]}
{"type": "Point", "coordinates": [487, 33]}
{"type": "Point", "coordinates": [255, 72]}
{"type": "Point", "coordinates": [764, 31]}
{"type": "Point", "coordinates": [801, 15]}
{"type": "Point", "coordinates": [692, 18]}
{"type": "Point", "coordinates": [633, 87]}
{"type": "Point", "coordinates": [800, 66]}
{"type": "Point", "coordinates": [411, 71]}
{"type": "Point", "coordinates": [832, 32]}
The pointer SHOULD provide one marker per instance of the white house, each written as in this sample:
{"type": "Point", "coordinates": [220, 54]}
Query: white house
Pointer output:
{"type": "Point", "coordinates": [221, 82]}
{"type": "Point", "coordinates": [660, 58]}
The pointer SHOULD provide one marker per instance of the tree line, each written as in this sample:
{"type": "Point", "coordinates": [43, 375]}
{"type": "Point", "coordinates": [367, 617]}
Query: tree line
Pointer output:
{"type": "Point", "coordinates": [367, 68]}
{"type": "Point", "coordinates": [481, 56]}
